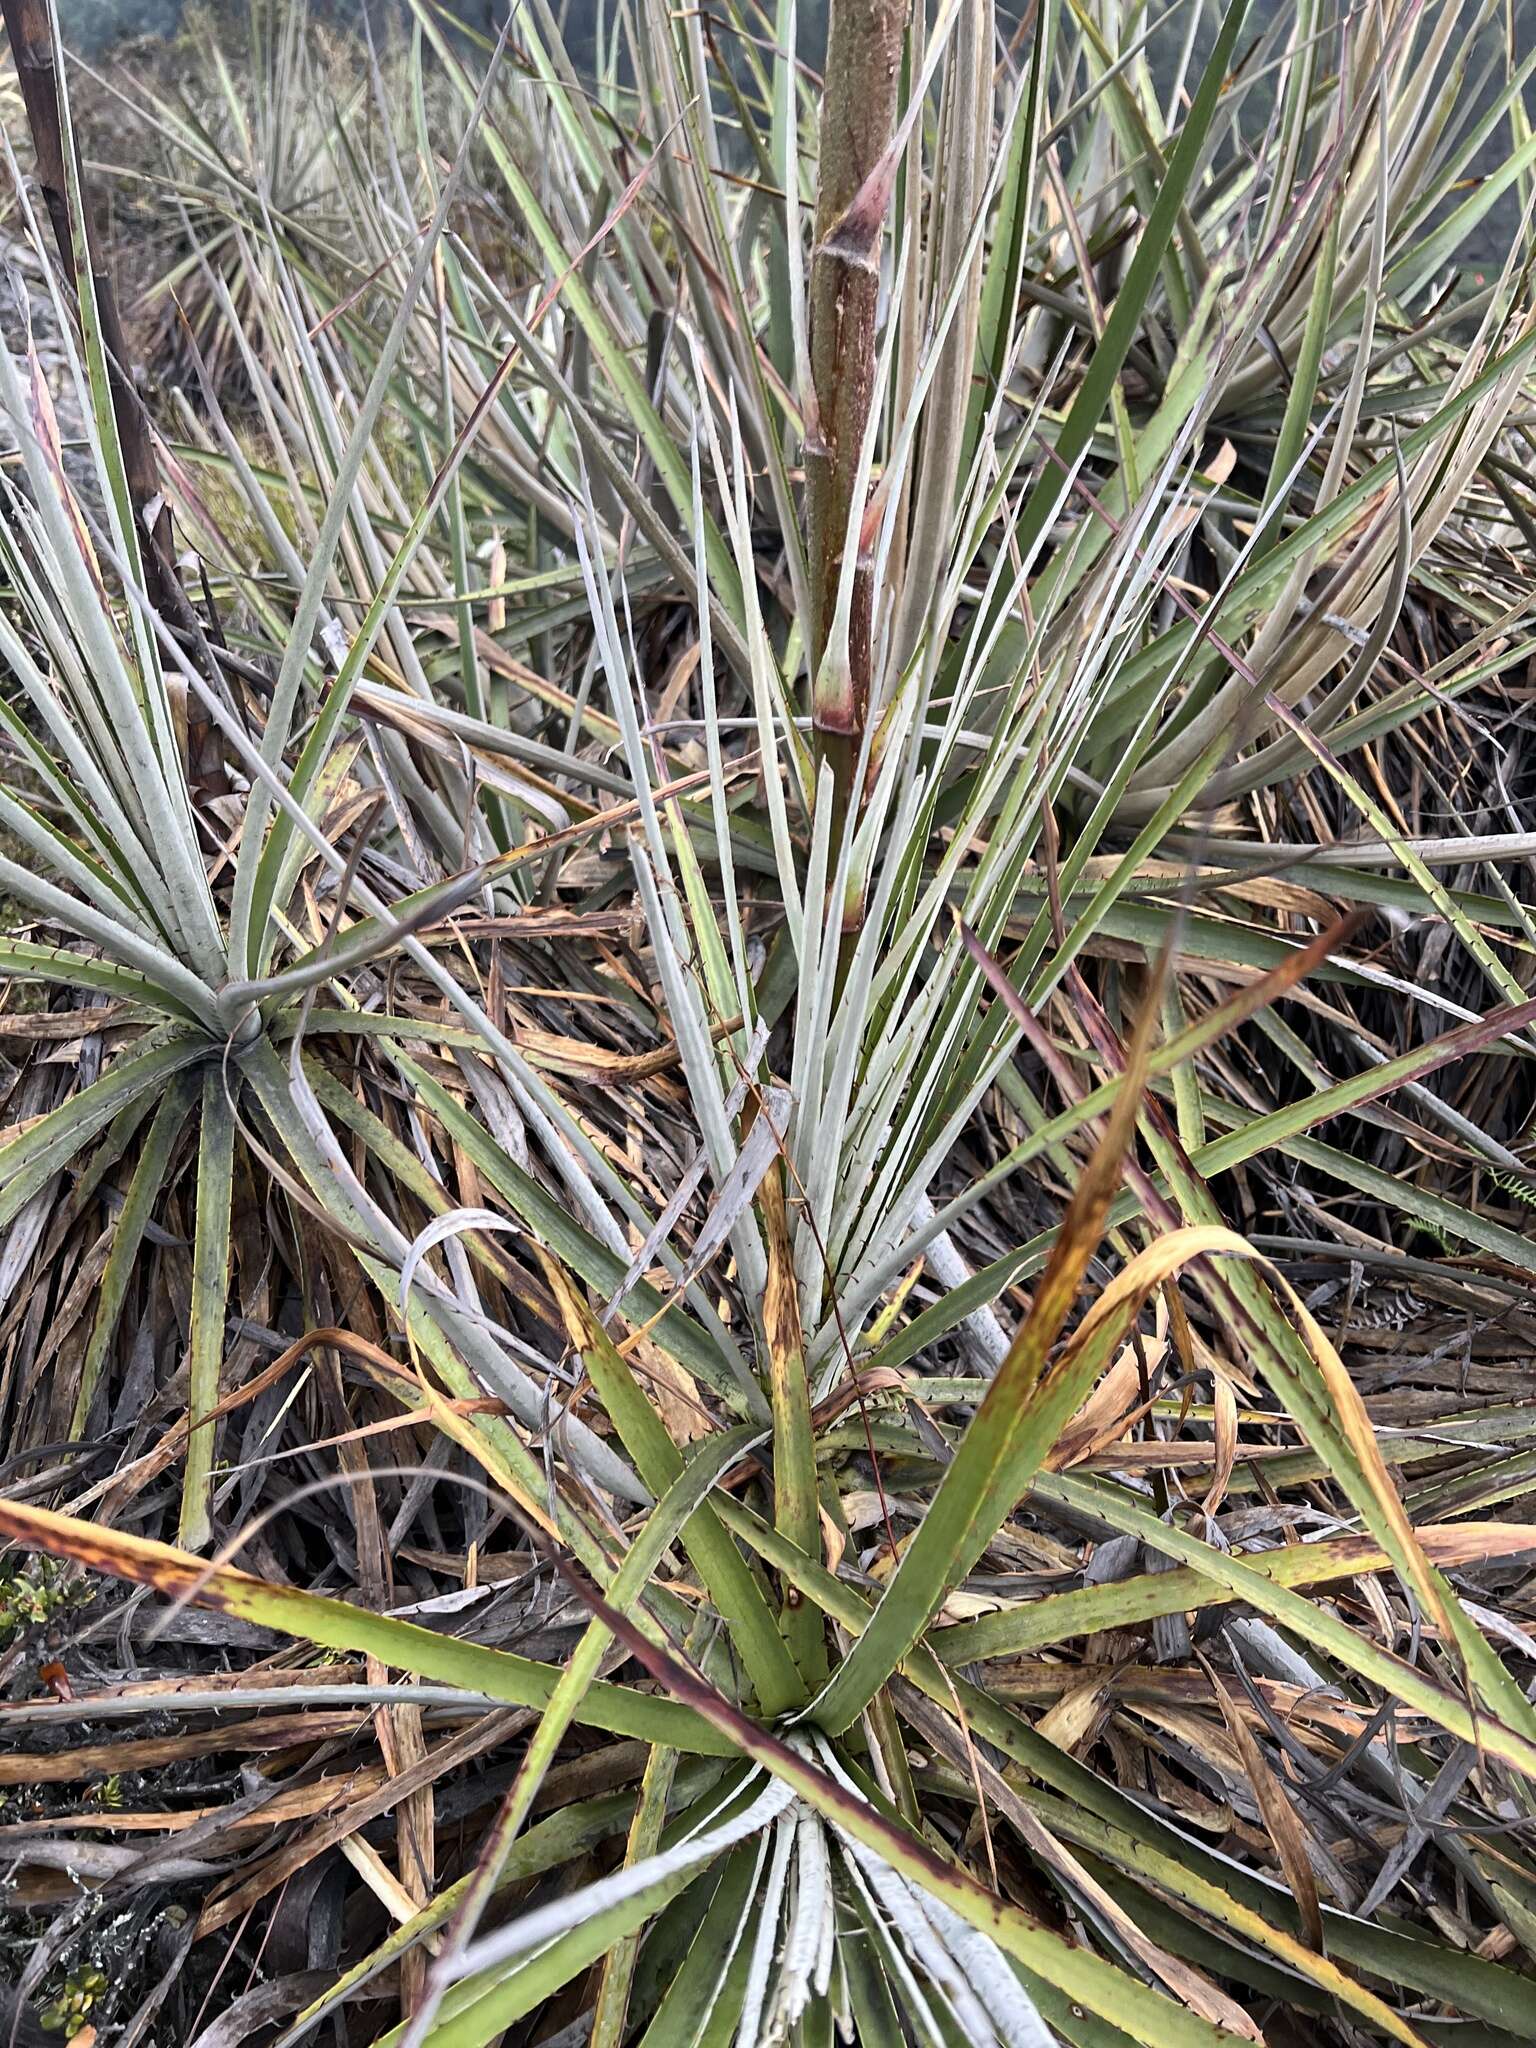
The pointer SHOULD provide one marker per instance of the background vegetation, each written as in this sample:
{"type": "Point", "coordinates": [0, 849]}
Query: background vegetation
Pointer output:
{"type": "Point", "coordinates": [767, 1049]}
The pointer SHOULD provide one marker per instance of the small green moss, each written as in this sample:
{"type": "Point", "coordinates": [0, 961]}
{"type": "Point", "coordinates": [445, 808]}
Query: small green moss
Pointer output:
{"type": "Point", "coordinates": [34, 1593]}
{"type": "Point", "coordinates": [72, 2005]}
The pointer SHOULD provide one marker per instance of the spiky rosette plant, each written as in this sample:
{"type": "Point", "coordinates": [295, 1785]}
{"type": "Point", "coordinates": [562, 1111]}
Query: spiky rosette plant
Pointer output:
{"type": "Point", "coordinates": [698, 1023]}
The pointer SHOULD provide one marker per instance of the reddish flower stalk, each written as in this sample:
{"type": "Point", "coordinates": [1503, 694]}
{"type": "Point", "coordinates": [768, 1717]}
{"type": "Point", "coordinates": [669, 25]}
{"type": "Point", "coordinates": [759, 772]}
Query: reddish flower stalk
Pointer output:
{"type": "Point", "coordinates": [858, 113]}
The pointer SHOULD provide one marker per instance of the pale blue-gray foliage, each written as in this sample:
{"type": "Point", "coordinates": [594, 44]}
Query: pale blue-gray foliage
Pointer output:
{"type": "Point", "coordinates": [92, 26]}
